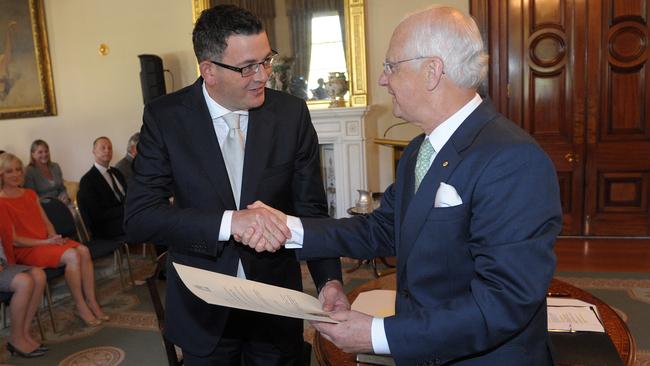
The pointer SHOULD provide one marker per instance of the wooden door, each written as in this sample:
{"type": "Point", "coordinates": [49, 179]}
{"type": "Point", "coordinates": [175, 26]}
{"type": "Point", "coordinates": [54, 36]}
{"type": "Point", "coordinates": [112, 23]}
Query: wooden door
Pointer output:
{"type": "Point", "coordinates": [536, 79]}
{"type": "Point", "coordinates": [617, 198]}
{"type": "Point", "coordinates": [575, 75]}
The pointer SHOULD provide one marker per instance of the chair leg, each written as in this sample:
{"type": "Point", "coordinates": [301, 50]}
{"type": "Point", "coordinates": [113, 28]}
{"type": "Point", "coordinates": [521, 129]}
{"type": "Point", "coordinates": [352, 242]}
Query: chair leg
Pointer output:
{"type": "Point", "coordinates": [40, 326]}
{"type": "Point", "coordinates": [128, 263]}
{"type": "Point", "coordinates": [118, 259]}
{"type": "Point", "coordinates": [48, 297]}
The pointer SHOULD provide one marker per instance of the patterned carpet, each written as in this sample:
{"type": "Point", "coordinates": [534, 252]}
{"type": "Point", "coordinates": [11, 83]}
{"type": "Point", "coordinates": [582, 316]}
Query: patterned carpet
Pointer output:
{"type": "Point", "coordinates": [131, 337]}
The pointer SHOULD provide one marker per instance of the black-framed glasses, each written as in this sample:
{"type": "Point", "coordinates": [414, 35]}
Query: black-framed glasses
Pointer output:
{"type": "Point", "coordinates": [252, 69]}
{"type": "Point", "coordinates": [389, 67]}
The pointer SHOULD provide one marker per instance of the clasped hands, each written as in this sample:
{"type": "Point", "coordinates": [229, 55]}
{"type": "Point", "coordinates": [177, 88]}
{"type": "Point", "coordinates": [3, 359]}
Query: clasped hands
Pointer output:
{"type": "Point", "coordinates": [262, 227]}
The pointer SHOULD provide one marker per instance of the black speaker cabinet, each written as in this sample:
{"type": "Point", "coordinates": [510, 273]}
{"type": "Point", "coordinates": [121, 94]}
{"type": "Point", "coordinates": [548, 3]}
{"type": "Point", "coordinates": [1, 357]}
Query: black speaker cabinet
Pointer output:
{"type": "Point", "coordinates": [152, 78]}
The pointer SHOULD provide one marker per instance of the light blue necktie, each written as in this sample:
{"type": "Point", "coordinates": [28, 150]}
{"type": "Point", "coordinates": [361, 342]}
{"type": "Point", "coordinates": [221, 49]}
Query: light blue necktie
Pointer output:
{"type": "Point", "coordinates": [423, 162]}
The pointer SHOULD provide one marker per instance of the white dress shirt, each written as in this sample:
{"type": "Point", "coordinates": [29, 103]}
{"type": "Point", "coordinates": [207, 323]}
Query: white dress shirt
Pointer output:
{"type": "Point", "coordinates": [438, 138]}
{"type": "Point", "coordinates": [221, 129]}
{"type": "Point", "coordinates": [104, 171]}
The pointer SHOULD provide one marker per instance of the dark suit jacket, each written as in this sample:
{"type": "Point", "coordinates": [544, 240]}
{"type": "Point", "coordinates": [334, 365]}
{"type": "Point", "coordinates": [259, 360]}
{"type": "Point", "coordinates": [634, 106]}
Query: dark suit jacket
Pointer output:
{"type": "Point", "coordinates": [125, 166]}
{"type": "Point", "coordinates": [179, 156]}
{"type": "Point", "coordinates": [102, 212]}
{"type": "Point", "coordinates": [471, 279]}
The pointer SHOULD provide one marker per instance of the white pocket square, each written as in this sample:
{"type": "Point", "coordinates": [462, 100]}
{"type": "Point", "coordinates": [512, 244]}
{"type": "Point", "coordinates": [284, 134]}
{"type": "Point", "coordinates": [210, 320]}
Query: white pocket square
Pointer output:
{"type": "Point", "coordinates": [447, 196]}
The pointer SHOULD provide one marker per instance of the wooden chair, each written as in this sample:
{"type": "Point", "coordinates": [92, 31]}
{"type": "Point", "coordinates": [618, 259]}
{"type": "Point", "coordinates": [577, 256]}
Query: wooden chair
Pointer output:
{"type": "Point", "coordinates": [152, 284]}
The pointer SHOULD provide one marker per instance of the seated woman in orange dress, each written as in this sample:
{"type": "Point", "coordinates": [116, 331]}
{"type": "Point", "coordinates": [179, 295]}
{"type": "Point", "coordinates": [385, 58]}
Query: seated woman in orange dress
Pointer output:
{"type": "Point", "coordinates": [27, 284]}
{"type": "Point", "coordinates": [37, 244]}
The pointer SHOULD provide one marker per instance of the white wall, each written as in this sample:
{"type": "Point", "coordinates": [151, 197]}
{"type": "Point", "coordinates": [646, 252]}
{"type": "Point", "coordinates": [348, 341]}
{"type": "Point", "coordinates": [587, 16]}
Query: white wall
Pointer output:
{"type": "Point", "coordinates": [382, 16]}
{"type": "Point", "coordinates": [101, 95]}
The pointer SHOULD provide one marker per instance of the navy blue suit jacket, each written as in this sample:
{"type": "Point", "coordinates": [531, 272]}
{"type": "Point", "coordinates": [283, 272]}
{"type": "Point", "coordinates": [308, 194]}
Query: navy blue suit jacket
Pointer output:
{"type": "Point", "coordinates": [179, 156]}
{"type": "Point", "coordinates": [471, 279]}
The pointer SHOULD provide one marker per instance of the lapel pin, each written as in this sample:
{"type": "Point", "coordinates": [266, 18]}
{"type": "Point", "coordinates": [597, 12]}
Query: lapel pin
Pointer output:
{"type": "Point", "coordinates": [445, 163]}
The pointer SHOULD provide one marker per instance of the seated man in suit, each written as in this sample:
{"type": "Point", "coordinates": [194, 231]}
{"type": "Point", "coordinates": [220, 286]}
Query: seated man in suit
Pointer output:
{"type": "Point", "coordinates": [125, 165]}
{"type": "Point", "coordinates": [472, 217]}
{"type": "Point", "coordinates": [102, 192]}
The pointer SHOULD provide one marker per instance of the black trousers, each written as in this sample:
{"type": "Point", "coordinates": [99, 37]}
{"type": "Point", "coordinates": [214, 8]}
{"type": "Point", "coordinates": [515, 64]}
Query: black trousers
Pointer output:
{"type": "Point", "coordinates": [254, 339]}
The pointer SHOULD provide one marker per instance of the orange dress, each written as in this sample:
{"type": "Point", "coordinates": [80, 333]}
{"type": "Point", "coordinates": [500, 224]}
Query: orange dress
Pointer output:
{"type": "Point", "coordinates": [25, 214]}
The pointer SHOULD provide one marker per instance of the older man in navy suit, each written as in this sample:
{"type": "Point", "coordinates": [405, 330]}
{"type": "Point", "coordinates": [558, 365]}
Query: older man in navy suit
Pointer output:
{"type": "Point", "coordinates": [472, 217]}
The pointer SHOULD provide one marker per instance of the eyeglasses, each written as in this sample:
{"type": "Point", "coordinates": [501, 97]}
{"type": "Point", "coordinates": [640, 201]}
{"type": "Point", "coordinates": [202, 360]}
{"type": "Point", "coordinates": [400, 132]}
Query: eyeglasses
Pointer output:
{"type": "Point", "coordinates": [251, 69]}
{"type": "Point", "coordinates": [389, 67]}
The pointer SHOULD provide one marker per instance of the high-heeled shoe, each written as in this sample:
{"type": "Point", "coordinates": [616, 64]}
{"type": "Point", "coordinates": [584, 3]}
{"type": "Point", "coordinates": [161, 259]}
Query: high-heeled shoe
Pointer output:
{"type": "Point", "coordinates": [104, 317]}
{"type": "Point", "coordinates": [13, 350]}
{"type": "Point", "coordinates": [43, 348]}
{"type": "Point", "coordinates": [89, 323]}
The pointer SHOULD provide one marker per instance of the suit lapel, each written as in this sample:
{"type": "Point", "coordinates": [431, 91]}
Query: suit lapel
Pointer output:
{"type": "Point", "coordinates": [444, 164]}
{"type": "Point", "coordinates": [204, 140]}
{"type": "Point", "coordinates": [409, 175]}
{"type": "Point", "coordinates": [259, 139]}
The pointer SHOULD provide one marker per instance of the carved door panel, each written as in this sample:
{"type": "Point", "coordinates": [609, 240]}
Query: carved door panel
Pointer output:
{"type": "Point", "coordinates": [537, 64]}
{"type": "Point", "coordinates": [617, 198]}
{"type": "Point", "coordinates": [575, 75]}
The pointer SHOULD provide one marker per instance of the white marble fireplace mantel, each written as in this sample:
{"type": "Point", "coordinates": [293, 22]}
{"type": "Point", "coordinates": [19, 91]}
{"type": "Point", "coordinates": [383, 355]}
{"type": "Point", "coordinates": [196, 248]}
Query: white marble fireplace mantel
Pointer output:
{"type": "Point", "coordinates": [344, 129]}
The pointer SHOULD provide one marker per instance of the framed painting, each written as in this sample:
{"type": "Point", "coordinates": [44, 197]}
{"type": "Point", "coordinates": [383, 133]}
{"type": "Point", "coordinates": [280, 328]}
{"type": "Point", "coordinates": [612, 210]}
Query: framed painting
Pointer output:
{"type": "Point", "coordinates": [26, 85]}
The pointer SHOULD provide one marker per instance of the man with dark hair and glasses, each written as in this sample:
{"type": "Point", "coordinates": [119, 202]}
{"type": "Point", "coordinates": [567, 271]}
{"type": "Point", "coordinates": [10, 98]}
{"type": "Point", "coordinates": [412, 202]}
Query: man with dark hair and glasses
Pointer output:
{"type": "Point", "coordinates": [216, 147]}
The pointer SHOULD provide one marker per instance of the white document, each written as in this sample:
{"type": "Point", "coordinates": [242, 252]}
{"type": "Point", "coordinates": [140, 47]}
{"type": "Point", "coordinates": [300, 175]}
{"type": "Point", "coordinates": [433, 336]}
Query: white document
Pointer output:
{"type": "Point", "coordinates": [219, 289]}
{"type": "Point", "coordinates": [378, 303]}
{"type": "Point", "coordinates": [572, 315]}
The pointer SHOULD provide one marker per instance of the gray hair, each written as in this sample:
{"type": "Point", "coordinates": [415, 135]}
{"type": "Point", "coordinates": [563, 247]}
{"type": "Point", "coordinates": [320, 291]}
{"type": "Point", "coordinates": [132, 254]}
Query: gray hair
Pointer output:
{"type": "Point", "coordinates": [133, 141]}
{"type": "Point", "coordinates": [453, 36]}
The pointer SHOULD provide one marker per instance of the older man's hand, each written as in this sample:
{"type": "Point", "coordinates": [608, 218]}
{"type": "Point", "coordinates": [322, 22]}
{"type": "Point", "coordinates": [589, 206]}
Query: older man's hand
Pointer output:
{"type": "Point", "coordinates": [332, 297]}
{"type": "Point", "coordinates": [259, 229]}
{"type": "Point", "coordinates": [352, 334]}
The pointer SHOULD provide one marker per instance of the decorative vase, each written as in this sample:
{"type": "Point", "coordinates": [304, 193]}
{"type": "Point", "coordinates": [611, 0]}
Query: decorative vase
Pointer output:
{"type": "Point", "coordinates": [337, 86]}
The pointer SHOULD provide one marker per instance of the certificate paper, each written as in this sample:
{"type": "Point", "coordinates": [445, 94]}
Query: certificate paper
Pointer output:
{"type": "Point", "coordinates": [219, 289]}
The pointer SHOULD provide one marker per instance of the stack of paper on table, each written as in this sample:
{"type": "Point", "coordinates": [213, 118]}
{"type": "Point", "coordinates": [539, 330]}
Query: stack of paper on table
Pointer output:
{"type": "Point", "coordinates": [572, 315]}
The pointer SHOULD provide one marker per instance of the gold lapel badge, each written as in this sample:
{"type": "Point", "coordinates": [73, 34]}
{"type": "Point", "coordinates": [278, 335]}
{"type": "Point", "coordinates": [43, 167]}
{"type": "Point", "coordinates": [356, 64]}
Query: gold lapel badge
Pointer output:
{"type": "Point", "coordinates": [445, 163]}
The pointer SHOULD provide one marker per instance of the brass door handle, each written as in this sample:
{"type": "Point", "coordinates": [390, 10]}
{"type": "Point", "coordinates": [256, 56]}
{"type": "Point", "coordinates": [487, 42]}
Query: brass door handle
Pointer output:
{"type": "Point", "coordinates": [571, 158]}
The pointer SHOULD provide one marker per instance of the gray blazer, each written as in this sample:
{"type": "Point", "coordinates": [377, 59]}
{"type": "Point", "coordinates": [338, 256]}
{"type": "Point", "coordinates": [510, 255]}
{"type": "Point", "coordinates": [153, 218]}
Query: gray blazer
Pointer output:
{"type": "Point", "coordinates": [34, 179]}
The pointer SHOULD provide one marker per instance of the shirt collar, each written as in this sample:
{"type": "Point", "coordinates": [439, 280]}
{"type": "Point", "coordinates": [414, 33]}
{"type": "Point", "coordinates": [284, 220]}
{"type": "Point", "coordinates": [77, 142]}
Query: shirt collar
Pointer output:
{"type": "Point", "coordinates": [101, 168]}
{"type": "Point", "coordinates": [216, 109]}
{"type": "Point", "coordinates": [441, 134]}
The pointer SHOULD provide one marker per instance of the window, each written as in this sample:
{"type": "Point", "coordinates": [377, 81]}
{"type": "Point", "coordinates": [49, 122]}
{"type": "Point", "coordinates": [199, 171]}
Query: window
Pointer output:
{"type": "Point", "coordinates": [327, 53]}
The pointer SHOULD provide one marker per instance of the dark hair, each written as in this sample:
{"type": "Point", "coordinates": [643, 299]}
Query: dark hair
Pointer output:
{"type": "Point", "coordinates": [216, 24]}
{"type": "Point", "coordinates": [33, 148]}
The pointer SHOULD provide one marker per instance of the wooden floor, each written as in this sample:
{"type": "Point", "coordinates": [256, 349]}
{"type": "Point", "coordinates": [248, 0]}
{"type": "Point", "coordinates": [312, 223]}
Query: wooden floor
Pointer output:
{"type": "Point", "coordinates": [603, 255]}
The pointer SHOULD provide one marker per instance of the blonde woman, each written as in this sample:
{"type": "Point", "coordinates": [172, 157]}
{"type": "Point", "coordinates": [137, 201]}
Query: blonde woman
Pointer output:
{"type": "Point", "coordinates": [43, 175]}
{"type": "Point", "coordinates": [37, 244]}
{"type": "Point", "coordinates": [27, 285]}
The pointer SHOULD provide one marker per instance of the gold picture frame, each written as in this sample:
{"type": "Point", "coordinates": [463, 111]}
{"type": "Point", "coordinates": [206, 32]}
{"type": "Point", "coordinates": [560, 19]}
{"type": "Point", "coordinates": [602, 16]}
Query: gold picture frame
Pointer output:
{"type": "Point", "coordinates": [355, 35]}
{"type": "Point", "coordinates": [26, 85]}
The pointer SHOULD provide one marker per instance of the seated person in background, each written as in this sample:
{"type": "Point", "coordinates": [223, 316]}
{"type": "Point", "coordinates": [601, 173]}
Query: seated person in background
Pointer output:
{"type": "Point", "coordinates": [27, 284]}
{"type": "Point", "coordinates": [43, 175]}
{"type": "Point", "coordinates": [125, 165]}
{"type": "Point", "coordinates": [37, 244]}
{"type": "Point", "coordinates": [101, 195]}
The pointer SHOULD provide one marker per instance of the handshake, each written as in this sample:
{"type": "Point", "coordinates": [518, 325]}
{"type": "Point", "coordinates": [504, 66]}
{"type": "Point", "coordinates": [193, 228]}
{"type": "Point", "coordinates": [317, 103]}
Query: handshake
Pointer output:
{"type": "Point", "coordinates": [261, 227]}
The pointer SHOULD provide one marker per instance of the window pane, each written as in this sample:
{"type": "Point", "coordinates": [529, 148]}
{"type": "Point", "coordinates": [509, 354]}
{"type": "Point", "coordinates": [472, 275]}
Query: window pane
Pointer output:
{"type": "Point", "coordinates": [327, 53]}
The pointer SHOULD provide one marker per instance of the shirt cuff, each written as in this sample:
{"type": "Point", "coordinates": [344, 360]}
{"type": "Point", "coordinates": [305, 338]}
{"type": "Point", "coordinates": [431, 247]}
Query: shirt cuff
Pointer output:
{"type": "Point", "coordinates": [378, 336]}
{"type": "Point", "coordinates": [226, 223]}
{"type": "Point", "coordinates": [297, 233]}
